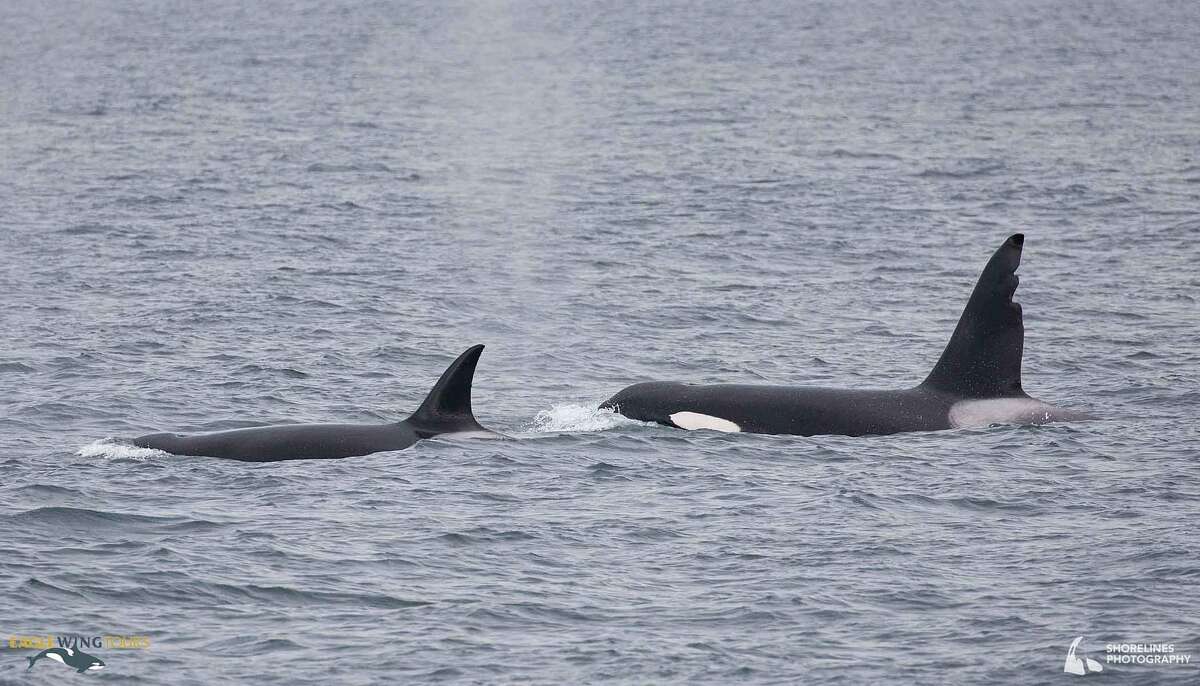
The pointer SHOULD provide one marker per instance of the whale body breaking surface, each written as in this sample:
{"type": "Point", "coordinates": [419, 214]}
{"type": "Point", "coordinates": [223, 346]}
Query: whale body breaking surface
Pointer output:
{"type": "Point", "coordinates": [446, 411]}
{"type": "Point", "coordinates": [976, 382]}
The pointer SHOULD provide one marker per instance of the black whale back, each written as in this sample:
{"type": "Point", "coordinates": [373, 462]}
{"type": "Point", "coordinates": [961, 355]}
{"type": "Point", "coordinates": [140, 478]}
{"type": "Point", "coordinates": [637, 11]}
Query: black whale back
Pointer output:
{"type": "Point", "coordinates": [983, 357]}
{"type": "Point", "coordinates": [447, 408]}
{"type": "Point", "coordinates": [982, 362]}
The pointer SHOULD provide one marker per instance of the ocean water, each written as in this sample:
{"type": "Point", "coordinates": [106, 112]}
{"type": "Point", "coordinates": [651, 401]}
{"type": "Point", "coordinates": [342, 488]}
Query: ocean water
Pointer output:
{"type": "Point", "coordinates": [220, 214]}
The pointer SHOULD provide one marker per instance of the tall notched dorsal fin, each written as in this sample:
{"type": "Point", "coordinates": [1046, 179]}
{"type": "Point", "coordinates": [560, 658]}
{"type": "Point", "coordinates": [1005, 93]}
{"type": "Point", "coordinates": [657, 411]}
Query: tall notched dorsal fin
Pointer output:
{"type": "Point", "coordinates": [983, 357]}
{"type": "Point", "coordinates": [447, 408]}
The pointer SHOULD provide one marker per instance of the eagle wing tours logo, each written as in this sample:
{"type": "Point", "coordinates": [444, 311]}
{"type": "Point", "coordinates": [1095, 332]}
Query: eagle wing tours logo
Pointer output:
{"type": "Point", "coordinates": [1151, 654]}
{"type": "Point", "coordinates": [69, 650]}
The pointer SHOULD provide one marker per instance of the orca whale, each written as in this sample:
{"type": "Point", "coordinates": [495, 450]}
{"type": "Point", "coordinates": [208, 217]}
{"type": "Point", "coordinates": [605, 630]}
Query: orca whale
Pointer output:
{"type": "Point", "coordinates": [976, 382]}
{"type": "Point", "coordinates": [446, 410]}
{"type": "Point", "coordinates": [81, 661]}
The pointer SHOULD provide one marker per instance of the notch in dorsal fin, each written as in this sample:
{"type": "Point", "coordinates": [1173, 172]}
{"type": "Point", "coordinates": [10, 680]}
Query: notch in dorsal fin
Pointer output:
{"type": "Point", "coordinates": [983, 357]}
{"type": "Point", "coordinates": [447, 408]}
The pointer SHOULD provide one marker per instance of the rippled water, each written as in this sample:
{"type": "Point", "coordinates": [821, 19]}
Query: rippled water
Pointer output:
{"type": "Point", "coordinates": [216, 215]}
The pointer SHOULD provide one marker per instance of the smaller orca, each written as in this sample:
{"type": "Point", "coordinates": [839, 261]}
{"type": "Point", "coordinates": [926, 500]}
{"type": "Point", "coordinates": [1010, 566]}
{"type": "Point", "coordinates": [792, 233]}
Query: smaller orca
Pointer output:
{"type": "Point", "coordinates": [976, 382]}
{"type": "Point", "coordinates": [446, 410]}
{"type": "Point", "coordinates": [81, 661]}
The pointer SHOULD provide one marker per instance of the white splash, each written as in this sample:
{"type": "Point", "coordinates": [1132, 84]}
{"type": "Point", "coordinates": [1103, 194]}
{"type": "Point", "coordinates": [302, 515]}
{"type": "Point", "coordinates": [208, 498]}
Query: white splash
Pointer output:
{"type": "Point", "coordinates": [109, 448]}
{"type": "Point", "coordinates": [694, 420]}
{"type": "Point", "coordinates": [571, 417]}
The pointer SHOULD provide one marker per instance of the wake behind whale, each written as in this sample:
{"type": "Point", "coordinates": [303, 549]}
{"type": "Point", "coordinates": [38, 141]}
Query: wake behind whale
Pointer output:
{"type": "Point", "coordinates": [976, 382]}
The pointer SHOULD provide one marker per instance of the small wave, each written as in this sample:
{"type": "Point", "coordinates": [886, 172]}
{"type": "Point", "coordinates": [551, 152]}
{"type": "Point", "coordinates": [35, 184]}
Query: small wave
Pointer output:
{"type": "Point", "coordinates": [110, 448]}
{"type": "Point", "coordinates": [84, 519]}
{"type": "Point", "coordinates": [296, 597]}
{"type": "Point", "coordinates": [964, 169]}
{"type": "Point", "coordinates": [87, 229]}
{"type": "Point", "coordinates": [483, 535]}
{"type": "Point", "coordinates": [572, 417]}
{"type": "Point", "coordinates": [282, 371]}
{"type": "Point", "coordinates": [44, 490]}
{"type": "Point", "coordinates": [1142, 355]}
{"type": "Point", "coordinates": [862, 155]}
{"type": "Point", "coordinates": [604, 468]}
{"type": "Point", "coordinates": [322, 167]}
{"type": "Point", "coordinates": [251, 646]}
{"type": "Point", "coordinates": [47, 591]}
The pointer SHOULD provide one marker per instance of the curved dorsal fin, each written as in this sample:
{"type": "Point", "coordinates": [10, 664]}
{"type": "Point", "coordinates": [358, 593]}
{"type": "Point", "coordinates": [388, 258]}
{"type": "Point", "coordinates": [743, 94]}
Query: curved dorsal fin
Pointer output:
{"type": "Point", "coordinates": [447, 408]}
{"type": "Point", "coordinates": [983, 357]}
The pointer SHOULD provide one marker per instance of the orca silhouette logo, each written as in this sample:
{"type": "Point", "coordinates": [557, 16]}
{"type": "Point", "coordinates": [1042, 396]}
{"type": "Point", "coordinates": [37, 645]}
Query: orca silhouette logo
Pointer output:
{"type": "Point", "coordinates": [75, 659]}
{"type": "Point", "coordinates": [1080, 664]}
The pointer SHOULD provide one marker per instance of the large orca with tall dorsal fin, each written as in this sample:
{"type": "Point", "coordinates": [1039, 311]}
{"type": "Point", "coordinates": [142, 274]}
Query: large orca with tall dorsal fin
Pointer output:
{"type": "Point", "coordinates": [446, 410]}
{"type": "Point", "coordinates": [976, 382]}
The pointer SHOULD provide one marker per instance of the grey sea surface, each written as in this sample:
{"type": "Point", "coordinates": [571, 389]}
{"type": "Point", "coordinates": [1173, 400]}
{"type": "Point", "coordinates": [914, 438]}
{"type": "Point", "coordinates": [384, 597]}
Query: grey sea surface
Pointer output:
{"type": "Point", "coordinates": [220, 214]}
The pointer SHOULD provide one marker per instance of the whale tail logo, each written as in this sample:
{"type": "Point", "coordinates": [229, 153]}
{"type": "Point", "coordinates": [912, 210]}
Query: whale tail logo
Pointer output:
{"type": "Point", "coordinates": [1076, 664]}
{"type": "Point", "coordinates": [983, 357]}
{"type": "Point", "coordinates": [447, 408]}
